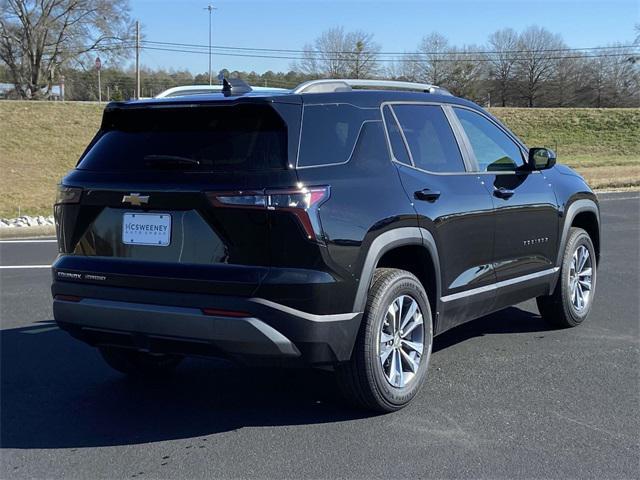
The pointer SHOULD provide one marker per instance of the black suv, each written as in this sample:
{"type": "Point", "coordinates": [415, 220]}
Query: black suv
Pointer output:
{"type": "Point", "coordinates": [341, 224]}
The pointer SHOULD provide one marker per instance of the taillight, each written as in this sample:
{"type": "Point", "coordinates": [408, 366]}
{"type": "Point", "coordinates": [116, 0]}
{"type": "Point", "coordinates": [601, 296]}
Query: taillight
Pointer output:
{"type": "Point", "coordinates": [301, 202]}
{"type": "Point", "coordinates": [68, 194]}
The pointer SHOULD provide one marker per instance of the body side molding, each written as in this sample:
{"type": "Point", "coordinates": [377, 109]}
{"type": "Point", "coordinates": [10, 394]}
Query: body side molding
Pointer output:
{"type": "Point", "coordinates": [499, 285]}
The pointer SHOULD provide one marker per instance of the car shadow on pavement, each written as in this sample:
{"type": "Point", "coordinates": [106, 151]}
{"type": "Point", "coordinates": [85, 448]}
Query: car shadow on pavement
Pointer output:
{"type": "Point", "coordinates": [509, 320]}
{"type": "Point", "coordinates": [56, 392]}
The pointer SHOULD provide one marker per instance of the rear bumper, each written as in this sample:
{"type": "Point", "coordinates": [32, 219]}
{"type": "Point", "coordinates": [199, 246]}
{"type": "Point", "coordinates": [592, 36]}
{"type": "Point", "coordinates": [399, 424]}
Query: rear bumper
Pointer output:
{"type": "Point", "coordinates": [165, 322]}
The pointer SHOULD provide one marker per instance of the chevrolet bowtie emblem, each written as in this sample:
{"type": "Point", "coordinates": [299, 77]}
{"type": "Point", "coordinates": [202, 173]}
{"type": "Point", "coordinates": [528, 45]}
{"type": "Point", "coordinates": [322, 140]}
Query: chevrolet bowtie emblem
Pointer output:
{"type": "Point", "coordinates": [135, 199]}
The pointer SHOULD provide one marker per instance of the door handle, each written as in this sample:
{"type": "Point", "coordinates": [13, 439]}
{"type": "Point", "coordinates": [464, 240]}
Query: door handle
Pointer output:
{"type": "Point", "coordinates": [427, 195]}
{"type": "Point", "coordinates": [503, 192]}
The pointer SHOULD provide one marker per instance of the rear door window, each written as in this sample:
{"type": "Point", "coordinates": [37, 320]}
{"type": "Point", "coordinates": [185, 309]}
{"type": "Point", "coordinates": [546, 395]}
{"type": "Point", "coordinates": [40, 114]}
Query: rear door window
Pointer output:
{"type": "Point", "coordinates": [215, 139]}
{"type": "Point", "coordinates": [431, 140]}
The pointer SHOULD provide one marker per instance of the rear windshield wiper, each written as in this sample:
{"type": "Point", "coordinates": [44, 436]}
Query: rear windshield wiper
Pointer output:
{"type": "Point", "coordinates": [169, 161]}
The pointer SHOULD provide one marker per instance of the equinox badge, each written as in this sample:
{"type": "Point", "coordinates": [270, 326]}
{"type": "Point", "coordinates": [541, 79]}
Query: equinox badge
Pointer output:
{"type": "Point", "coordinates": [135, 199]}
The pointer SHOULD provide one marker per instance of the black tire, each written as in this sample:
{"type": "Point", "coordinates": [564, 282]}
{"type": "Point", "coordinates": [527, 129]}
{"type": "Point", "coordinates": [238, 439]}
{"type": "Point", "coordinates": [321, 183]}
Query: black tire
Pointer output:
{"type": "Point", "coordinates": [139, 364]}
{"type": "Point", "coordinates": [558, 308]}
{"type": "Point", "coordinates": [362, 379]}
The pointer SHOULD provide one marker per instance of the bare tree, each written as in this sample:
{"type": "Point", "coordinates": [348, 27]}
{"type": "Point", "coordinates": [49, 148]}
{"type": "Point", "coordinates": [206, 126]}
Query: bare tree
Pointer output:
{"type": "Point", "coordinates": [363, 59]}
{"type": "Point", "coordinates": [503, 45]}
{"type": "Point", "coordinates": [434, 49]}
{"type": "Point", "coordinates": [336, 53]}
{"type": "Point", "coordinates": [537, 61]}
{"type": "Point", "coordinates": [568, 79]}
{"type": "Point", "coordinates": [429, 64]}
{"type": "Point", "coordinates": [407, 68]}
{"type": "Point", "coordinates": [615, 78]}
{"type": "Point", "coordinates": [39, 36]}
{"type": "Point", "coordinates": [465, 71]}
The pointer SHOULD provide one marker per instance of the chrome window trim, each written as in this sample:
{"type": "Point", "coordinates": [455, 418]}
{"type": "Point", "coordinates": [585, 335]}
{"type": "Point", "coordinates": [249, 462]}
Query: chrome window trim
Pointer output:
{"type": "Point", "coordinates": [316, 104]}
{"type": "Point", "coordinates": [468, 156]}
{"type": "Point", "coordinates": [402, 136]}
{"type": "Point", "coordinates": [498, 285]}
{"type": "Point", "coordinates": [386, 136]}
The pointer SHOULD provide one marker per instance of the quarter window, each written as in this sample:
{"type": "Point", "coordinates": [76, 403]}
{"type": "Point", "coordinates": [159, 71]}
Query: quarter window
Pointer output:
{"type": "Point", "coordinates": [431, 141]}
{"type": "Point", "coordinates": [494, 150]}
{"type": "Point", "coordinates": [329, 133]}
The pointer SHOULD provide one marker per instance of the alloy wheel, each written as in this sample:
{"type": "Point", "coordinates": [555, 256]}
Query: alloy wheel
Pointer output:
{"type": "Point", "coordinates": [580, 278]}
{"type": "Point", "coordinates": [401, 341]}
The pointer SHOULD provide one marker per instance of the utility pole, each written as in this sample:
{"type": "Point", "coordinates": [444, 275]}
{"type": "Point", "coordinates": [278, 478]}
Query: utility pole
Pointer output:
{"type": "Point", "coordinates": [137, 59]}
{"type": "Point", "coordinates": [211, 9]}
{"type": "Point", "coordinates": [98, 65]}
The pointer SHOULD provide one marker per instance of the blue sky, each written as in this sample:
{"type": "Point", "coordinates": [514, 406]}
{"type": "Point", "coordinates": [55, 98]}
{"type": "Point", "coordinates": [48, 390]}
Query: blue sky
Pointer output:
{"type": "Point", "coordinates": [397, 26]}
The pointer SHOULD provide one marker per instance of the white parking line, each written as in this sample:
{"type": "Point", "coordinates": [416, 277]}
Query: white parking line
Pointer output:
{"type": "Point", "coordinates": [608, 199]}
{"type": "Point", "coordinates": [8, 267]}
{"type": "Point", "coordinates": [28, 241]}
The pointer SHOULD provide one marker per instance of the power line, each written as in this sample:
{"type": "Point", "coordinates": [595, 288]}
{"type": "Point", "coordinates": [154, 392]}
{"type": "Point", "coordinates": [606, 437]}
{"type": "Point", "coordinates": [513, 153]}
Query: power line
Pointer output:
{"type": "Point", "coordinates": [470, 52]}
{"type": "Point", "coordinates": [294, 54]}
{"type": "Point", "coordinates": [407, 59]}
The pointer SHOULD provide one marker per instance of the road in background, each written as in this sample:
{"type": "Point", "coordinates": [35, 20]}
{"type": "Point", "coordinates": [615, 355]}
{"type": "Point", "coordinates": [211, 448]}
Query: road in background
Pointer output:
{"type": "Point", "coordinates": [506, 396]}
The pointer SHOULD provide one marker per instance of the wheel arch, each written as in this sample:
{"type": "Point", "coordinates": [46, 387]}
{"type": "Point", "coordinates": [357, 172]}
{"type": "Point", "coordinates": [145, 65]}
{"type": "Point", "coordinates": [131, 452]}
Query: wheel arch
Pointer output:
{"type": "Point", "coordinates": [583, 213]}
{"type": "Point", "coordinates": [588, 221]}
{"type": "Point", "coordinates": [408, 248]}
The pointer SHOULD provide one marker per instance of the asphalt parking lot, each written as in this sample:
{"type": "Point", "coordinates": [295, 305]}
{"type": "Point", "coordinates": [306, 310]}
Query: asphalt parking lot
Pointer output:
{"type": "Point", "coordinates": [506, 397]}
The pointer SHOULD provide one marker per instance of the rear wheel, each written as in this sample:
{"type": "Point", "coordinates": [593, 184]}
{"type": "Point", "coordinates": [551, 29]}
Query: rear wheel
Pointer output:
{"type": "Point", "coordinates": [571, 301]}
{"type": "Point", "coordinates": [132, 362]}
{"type": "Point", "coordinates": [391, 354]}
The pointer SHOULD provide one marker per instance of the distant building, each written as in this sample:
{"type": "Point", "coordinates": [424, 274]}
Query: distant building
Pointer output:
{"type": "Point", "coordinates": [8, 91]}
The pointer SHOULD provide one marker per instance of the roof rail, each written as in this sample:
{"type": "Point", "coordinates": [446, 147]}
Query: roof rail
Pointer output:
{"type": "Point", "coordinates": [346, 84]}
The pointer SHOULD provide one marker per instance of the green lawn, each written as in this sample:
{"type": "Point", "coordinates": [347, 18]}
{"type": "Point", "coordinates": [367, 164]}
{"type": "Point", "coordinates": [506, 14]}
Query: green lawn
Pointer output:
{"type": "Point", "coordinates": [40, 141]}
{"type": "Point", "coordinates": [602, 144]}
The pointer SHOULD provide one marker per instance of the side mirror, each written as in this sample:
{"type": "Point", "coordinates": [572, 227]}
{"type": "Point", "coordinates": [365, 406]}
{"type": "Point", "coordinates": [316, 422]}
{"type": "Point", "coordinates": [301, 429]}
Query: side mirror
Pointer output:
{"type": "Point", "coordinates": [541, 158]}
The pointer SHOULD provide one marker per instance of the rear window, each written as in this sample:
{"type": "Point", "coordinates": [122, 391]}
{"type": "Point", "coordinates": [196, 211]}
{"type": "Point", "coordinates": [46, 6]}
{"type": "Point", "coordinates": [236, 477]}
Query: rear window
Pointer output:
{"type": "Point", "coordinates": [329, 133]}
{"type": "Point", "coordinates": [221, 138]}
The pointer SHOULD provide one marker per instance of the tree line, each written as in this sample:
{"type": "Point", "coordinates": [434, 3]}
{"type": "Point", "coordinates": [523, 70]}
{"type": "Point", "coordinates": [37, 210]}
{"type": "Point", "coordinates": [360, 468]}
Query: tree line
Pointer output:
{"type": "Point", "coordinates": [534, 67]}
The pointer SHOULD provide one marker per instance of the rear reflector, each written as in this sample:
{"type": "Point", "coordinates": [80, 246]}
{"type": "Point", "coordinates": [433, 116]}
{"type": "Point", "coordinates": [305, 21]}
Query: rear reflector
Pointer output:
{"type": "Point", "coordinates": [68, 298]}
{"type": "Point", "coordinates": [224, 313]}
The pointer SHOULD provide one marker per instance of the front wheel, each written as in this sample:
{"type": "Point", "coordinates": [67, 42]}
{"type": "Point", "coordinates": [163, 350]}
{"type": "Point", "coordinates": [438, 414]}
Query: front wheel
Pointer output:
{"type": "Point", "coordinates": [139, 364]}
{"type": "Point", "coordinates": [391, 354]}
{"type": "Point", "coordinates": [571, 301]}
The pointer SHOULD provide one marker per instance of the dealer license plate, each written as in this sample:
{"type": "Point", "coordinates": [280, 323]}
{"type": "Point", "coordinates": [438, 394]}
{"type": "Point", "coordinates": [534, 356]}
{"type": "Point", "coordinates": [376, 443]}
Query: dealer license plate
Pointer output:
{"type": "Point", "coordinates": [146, 229]}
